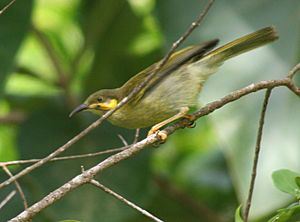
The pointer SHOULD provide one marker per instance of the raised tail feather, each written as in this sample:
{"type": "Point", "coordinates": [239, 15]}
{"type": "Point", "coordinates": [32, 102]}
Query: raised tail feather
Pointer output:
{"type": "Point", "coordinates": [241, 45]}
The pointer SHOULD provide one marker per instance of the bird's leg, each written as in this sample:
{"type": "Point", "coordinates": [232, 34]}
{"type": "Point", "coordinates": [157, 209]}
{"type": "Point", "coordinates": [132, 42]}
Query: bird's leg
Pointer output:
{"type": "Point", "coordinates": [155, 129]}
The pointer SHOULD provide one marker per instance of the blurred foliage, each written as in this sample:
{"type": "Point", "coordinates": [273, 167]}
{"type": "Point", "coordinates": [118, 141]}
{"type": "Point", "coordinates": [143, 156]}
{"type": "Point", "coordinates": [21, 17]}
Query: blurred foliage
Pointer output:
{"type": "Point", "coordinates": [200, 174]}
{"type": "Point", "coordinates": [287, 181]}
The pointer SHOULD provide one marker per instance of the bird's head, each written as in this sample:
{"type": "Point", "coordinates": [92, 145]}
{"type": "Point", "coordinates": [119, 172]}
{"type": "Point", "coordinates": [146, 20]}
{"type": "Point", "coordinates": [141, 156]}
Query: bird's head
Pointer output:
{"type": "Point", "coordinates": [99, 102]}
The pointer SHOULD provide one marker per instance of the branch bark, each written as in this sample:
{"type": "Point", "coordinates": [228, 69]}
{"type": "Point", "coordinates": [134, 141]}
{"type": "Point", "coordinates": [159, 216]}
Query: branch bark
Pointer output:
{"type": "Point", "coordinates": [127, 202]}
{"type": "Point", "coordinates": [18, 187]}
{"type": "Point", "coordinates": [257, 152]}
{"type": "Point", "coordinates": [7, 6]}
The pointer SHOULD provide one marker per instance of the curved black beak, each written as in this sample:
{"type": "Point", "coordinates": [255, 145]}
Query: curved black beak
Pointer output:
{"type": "Point", "coordinates": [78, 109]}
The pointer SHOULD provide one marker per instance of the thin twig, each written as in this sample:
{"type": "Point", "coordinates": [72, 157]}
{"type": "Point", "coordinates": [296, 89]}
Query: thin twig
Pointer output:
{"type": "Point", "coordinates": [136, 135]}
{"type": "Point", "coordinates": [294, 71]}
{"type": "Point", "coordinates": [7, 6]}
{"type": "Point", "coordinates": [7, 198]}
{"type": "Point", "coordinates": [110, 112]}
{"type": "Point", "coordinates": [17, 162]}
{"type": "Point", "coordinates": [89, 174]}
{"type": "Point", "coordinates": [19, 188]}
{"type": "Point", "coordinates": [257, 152]}
{"type": "Point", "coordinates": [127, 202]}
{"type": "Point", "coordinates": [123, 140]}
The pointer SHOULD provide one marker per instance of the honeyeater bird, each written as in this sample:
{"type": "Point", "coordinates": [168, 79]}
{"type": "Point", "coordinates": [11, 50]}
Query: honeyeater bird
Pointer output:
{"type": "Point", "coordinates": [175, 88]}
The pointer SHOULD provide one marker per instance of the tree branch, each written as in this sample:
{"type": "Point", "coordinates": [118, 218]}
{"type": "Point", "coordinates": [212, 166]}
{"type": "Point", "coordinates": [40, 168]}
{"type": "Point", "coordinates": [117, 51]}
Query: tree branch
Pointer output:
{"type": "Point", "coordinates": [7, 6]}
{"type": "Point", "coordinates": [127, 202]}
{"type": "Point", "coordinates": [89, 174]}
{"type": "Point", "coordinates": [72, 157]}
{"type": "Point", "coordinates": [7, 198]}
{"type": "Point", "coordinates": [257, 151]}
{"type": "Point", "coordinates": [136, 136]}
{"type": "Point", "coordinates": [19, 188]}
{"type": "Point", "coordinates": [136, 90]}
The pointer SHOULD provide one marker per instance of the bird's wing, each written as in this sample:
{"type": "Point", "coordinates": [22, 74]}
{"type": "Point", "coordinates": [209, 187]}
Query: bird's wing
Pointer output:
{"type": "Point", "coordinates": [177, 59]}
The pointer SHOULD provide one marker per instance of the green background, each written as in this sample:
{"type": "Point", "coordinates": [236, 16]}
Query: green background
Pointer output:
{"type": "Point", "coordinates": [200, 174]}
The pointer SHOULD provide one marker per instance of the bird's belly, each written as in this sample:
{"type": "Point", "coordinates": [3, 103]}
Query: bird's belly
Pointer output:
{"type": "Point", "coordinates": [140, 116]}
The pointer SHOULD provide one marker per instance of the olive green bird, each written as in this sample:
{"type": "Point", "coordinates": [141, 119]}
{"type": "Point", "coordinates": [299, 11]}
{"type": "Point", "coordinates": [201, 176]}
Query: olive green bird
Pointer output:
{"type": "Point", "coordinates": [175, 88]}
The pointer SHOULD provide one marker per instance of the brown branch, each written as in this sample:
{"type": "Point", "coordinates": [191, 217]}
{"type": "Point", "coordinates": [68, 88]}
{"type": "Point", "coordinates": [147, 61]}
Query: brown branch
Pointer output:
{"type": "Point", "coordinates": [17, 162]}
{"type": "Point", "coordinates": [257, 152]}
{"type": "Point", "coordinates": [125, 143]}
{"type": "Point", "coordinates": [7, 6]}
{"type": "Point", "coordinates": [127, 202]}
{"type": "Point", "coordinates": [81, 179]}
{"type": "Point", "coordinates": [7, 198]}
{"type": "Point", "coordinates": [72, 157]}
{"type": "Point", "coordinates": [136, 136]}
{"type": "Point", "coordinates": [89, 174]}
{"type": "Point", "coordinates": [293, 71]}
{"type": "Point", "coordinates": [120, 104]}
{"type": "Point", "coordinates": [19, 188]}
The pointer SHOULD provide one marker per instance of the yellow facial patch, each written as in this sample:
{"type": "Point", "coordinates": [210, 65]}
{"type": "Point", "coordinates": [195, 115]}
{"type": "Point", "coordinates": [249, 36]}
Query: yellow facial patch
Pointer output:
{"type": "Point", "coordinates": [110, 104]}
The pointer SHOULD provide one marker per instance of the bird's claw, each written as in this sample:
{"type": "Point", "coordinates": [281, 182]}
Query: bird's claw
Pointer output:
{"type": "Point", "coordinates": [161, 135]}
{"type": "Point", "coordinates": [191, 124]}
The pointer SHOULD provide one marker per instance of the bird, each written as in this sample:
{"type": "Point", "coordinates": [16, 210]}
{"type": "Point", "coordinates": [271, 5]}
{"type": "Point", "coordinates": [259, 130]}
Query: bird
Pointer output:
{"type": "Point", "coordinates": [175, 88]}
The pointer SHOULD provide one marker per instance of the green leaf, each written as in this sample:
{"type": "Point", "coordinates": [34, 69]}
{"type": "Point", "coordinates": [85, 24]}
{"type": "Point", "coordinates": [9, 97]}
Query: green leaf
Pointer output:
{"type": "Point", "coordinates": [285, 214]}
{"type": "Point", "coordinates": [285, 180]}
{"type": "Point", "coordinates": [238, 215]}
{"type": "Point", "coordinates": [14, 23]}
{"type": "Point", "coordinates": [297, 180]}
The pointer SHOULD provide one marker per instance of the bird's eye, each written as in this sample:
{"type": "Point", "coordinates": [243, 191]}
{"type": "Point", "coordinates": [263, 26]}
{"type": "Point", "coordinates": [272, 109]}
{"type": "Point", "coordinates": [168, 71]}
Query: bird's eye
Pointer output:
{"type": "Point", "coordinates": [100, 99]}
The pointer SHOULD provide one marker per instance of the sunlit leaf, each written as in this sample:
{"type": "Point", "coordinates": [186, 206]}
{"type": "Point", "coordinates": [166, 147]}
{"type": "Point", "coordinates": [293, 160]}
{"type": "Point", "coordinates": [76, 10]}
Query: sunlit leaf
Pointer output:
{"type": "Point", "coordinates": [238, 215]}
{"type": "Point", "coordinates": [25, 85]}
{"type": "Point", "coordinates": [285, 180]}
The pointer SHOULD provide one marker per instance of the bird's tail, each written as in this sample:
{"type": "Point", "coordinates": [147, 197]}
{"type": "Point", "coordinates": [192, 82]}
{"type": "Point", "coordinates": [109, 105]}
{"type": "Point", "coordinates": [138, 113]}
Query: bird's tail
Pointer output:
{"type": "Point", "coordinates": [240, 45]}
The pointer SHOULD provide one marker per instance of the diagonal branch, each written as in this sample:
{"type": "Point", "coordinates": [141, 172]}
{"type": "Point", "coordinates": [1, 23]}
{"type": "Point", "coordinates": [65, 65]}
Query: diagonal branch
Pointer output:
{"type": "Point", "coordinates": [19, 188]}
{"type": "Point", "coordinates": [127, 202]}
{"type": "Point", "coordinates": [89, 174]}
{"type": "Point", "coordinates": [7, 198]}
{"type": "Point", "coordinates": [72, 157]}
{"type": "Point", "coordinates": [110, 112]}
{"type": "Point", "coordinates": [7, 6]}
{"type": "Point", "coordinates": [257, 151]}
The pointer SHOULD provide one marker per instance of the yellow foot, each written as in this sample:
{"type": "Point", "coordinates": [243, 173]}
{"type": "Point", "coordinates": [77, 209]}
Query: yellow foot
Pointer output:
{"type": "Point", "coordinates": [160, 134]}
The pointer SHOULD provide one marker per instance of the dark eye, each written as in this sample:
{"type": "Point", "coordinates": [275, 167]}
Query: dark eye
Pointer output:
{"type": "Point", "coordinates": [100, 99]}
